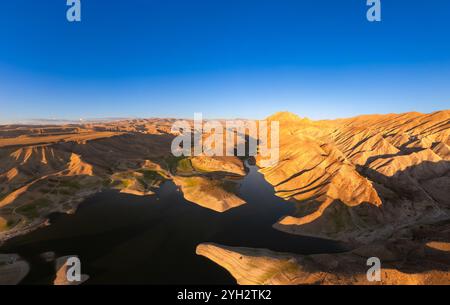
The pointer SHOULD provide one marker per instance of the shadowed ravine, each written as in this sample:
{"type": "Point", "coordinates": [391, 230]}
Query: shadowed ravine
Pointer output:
{"type": "Point", "coordinates": [130, 239]}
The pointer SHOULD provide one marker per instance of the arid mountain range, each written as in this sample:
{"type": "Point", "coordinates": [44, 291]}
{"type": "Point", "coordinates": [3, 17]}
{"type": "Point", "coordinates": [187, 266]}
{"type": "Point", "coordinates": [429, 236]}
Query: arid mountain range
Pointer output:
{"type": "Point", "coordinates": [377, 183]}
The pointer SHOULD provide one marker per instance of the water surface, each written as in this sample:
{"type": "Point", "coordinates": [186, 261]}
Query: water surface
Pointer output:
{"type": "Point", "coordinates": [122, 238]}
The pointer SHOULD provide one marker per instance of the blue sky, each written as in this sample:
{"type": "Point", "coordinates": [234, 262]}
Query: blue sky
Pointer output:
{"type": "Point", "coordinates": [225, 58]}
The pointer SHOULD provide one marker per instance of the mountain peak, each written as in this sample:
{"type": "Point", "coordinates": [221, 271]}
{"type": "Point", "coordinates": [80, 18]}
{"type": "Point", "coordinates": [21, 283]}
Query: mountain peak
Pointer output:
{"type": "Point", "coordinates": [285, 116]}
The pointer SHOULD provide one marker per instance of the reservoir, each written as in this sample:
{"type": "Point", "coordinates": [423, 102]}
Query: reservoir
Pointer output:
{"type": "Point", "coordinates": [126, 239]}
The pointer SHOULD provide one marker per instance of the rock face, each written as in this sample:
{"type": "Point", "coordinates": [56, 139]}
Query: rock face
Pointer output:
{"type": "Point", "coordinates": [361, 179]}
{"type": "Point", "coordinates": [12, 269]}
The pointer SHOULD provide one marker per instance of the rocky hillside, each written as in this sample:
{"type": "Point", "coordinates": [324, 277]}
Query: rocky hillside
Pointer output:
{"type": "Point", "coordinates": [361, 179]}
{"type": "Point", "coordinates": [379, 183]}
{"type": "Point", "coordinates": [45, 169]}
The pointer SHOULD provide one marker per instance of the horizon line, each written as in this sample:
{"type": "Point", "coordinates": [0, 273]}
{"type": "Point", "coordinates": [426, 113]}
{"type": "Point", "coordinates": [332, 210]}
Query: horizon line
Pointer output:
{"type": "Point", "coordinates": [81, 121]}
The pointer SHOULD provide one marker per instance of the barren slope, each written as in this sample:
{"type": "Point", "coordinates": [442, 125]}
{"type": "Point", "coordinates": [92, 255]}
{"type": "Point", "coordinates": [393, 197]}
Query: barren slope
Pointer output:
{"type": "Point", "coordinates": [360, 179]}
{"type": "Point", "coordinates": [44, 169]}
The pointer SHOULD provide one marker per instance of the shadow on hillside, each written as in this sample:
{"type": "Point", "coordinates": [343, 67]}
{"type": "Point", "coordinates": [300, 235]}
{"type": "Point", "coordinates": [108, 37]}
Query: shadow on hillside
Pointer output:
{"type": "Point", "coordinates": [121, 152]}
{"type": "Point", "coordinates": [414, 211]}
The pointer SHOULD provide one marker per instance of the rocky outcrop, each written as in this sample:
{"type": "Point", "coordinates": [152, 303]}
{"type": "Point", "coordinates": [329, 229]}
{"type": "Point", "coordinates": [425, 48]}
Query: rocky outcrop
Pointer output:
{"type": "Point", "coordinates": [402, 261]}
{"type": "Point", "coordinates": [13, 269]}
{"type": "Point", "coordinates": [214, 194]}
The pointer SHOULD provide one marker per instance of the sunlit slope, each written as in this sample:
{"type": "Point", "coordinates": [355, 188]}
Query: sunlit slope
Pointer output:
{"type": "Point", "coordinates": [364, 177]}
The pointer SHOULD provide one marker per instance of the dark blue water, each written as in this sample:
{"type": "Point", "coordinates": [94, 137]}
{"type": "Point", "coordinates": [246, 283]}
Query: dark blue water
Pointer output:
{"type": "Point", "coordinates": [123, 239]}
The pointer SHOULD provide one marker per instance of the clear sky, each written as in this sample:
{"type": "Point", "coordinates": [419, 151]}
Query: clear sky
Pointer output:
{"type": "Point", "coordinates": [225, 58]}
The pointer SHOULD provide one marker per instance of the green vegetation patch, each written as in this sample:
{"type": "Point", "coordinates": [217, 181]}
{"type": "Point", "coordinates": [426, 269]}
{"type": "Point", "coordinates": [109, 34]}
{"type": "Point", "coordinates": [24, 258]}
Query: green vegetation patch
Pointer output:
{"type": "Point", "coordinates": [203, 168]}
{"type": "Point", "coordinates": [172, 161]}
{"type": "Point", "coordinates": [124, 175]}
{"type": "Point", "coordinates": [32, 210]}
{"type": "Point", "coordinates": [151, 177]}
{"type": "Point", "coordinates": [3, 224]}
{"type": "Point", "coordinates": [71, 184]}
{"type": "Point", "coordinates": [125, 183]}
{"type": "Point", "coordinates": [179, 164]}
{"type": "Point", "coordinates": [12, 223]}
{"type": "Point", "coordinates": [184, 166]}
